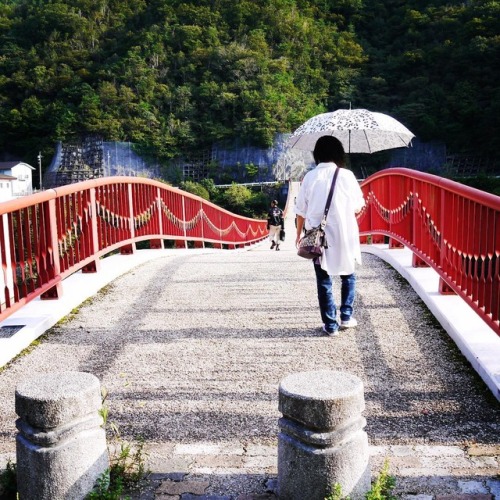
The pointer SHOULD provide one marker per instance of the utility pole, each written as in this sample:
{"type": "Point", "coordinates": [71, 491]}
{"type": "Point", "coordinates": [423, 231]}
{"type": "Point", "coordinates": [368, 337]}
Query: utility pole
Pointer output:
{"type": "Point", "coordinates": [40, 168]}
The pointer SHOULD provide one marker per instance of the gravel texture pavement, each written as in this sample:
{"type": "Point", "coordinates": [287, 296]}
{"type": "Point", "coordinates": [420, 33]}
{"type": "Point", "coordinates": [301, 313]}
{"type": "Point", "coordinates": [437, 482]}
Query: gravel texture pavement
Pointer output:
{"type": "Point", "coordinates": [191, 349]}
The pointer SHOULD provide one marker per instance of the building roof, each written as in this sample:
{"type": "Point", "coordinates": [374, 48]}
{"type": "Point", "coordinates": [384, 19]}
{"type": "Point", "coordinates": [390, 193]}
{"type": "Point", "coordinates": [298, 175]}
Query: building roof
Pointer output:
{"type": "Point", "coordinates": [7, 165]}
{"type": "Point", "coordinates": [4, 177]}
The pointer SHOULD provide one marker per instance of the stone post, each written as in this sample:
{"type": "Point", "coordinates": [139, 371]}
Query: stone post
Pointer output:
{"type": "Point", "coordinates": [61, 446]}
{"type": "Point", "coordinates": [321, 440]}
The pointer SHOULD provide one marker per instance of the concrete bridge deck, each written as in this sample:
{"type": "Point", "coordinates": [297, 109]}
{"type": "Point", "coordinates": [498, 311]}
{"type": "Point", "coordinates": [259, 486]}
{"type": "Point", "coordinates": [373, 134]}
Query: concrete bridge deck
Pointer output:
{"type": "Point", "coordinates": [191, 347]}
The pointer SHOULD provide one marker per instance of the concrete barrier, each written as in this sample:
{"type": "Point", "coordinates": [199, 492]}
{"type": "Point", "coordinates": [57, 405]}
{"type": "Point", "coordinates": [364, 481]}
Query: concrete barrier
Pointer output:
{"type": "Point", "coordinates": [61, 445]}
{"type": "Point", "coordinates": [321, 440]}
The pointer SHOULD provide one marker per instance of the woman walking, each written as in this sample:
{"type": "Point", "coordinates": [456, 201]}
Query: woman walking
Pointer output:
{"type": "Point", "coordinates": [342, 233]}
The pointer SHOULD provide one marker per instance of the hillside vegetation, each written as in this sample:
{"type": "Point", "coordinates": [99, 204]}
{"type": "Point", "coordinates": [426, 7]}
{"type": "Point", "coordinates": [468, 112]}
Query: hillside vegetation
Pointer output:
{"type": "Point", "coordinates": [176, 76]}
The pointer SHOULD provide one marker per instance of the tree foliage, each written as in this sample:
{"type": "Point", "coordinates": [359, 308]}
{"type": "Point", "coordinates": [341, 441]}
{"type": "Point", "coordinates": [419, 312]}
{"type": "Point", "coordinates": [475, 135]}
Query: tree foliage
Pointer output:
{"type": "Point", "coordinates": [195, 188]}
{"type": "Point", "coordinates": [175, 75]}
{"type": "Point", "coordinates": [237, 198]}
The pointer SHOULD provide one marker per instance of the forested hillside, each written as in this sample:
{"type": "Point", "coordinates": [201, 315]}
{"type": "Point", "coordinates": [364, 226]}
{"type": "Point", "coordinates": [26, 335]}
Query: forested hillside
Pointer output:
{"type": "Point", "coordinates": [175, 75]}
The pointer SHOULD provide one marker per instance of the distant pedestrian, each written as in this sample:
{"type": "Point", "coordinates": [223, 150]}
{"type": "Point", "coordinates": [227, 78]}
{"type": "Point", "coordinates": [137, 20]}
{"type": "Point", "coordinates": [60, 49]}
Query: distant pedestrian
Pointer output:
{"type": "Point", "coordinates": [342, 233]}
{"type": "Point", "coordinates": [275, 223]}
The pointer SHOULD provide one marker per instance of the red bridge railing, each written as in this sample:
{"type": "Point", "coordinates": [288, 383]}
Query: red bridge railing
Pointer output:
{"type": "Point", "coordinates": [449, 226]}
{"type": "Point", "coordinates": [47, 236]}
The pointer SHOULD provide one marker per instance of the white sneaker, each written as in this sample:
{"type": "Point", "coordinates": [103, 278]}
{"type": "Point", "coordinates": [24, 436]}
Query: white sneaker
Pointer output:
{"type": "Point", "coordinates": [350, 323]}
{"type": "Point", "coordinates": [330, 334]}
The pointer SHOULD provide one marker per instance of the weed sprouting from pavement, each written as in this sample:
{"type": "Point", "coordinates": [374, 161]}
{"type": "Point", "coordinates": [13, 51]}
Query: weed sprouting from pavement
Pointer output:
{"type": "Point", "coordinates": [127, 461]}
{"type": "Point", "coordinates": [381, 489]}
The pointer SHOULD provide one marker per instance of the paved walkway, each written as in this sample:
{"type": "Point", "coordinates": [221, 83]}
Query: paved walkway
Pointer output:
{"type": "Point", "coordinates": [191, 348]}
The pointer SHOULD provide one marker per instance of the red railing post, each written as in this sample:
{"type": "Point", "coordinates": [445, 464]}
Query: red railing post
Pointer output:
{"type": "Point", "coordinates": [95, 265]}
{"type": "Point", "coordinates": [184, 221]}
{"type": "Point", "coordinates": [444, 288]}
{"type": "Point", "coordinates": [130, 248]}
{"type": "Point", "coordinates": [371, 208]}
{"type": "Point", "coordinates": [157, 244]}
{"type": "Point", "coordinates": [416, 260]}
{"type": "Point", "coordinates": [202, 226]}
{"type": "Point", "coordinates": [56, 291]}
{"type": "Point", "coordinates": [6, 278]}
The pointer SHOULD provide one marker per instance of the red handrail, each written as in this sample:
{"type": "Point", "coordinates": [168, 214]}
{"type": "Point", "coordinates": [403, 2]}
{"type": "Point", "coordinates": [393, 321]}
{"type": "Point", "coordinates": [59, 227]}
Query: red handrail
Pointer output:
{"type": "Point", "coordinates": [47, 236]}
{"type": "Point", "coordinates": [449, 226]}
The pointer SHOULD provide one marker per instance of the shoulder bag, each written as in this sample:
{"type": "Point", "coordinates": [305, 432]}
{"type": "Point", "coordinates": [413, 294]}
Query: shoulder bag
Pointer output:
{"type": "Point", "coordinates": [312, 244]}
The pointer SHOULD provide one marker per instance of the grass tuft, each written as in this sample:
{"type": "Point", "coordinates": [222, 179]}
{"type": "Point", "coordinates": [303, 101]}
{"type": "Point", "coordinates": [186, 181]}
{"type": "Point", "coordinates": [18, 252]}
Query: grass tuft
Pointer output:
{"type": "Point", "coordinates": [381, 488]}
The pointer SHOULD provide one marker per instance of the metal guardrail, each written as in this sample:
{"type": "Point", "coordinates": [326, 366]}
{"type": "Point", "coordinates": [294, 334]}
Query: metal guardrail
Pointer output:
{"type": "Point", "coordinates": [47, 236]}
{"type": "Point", "coordinates": [447, 225]}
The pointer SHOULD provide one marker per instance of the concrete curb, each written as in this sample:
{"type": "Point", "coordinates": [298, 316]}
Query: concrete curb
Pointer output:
{"type": "Point", "coordinates": [422, 472]}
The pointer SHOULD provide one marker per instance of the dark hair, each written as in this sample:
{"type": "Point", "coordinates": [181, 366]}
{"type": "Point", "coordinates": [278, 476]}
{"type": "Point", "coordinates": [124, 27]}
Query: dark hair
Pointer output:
{"type": "Point", "coordinates": [274, 202]}
{"type": "Point", "coordinates": [329, 148]}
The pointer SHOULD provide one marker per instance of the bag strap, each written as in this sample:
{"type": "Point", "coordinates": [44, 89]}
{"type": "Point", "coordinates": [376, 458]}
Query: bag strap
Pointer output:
{"type": "Point", "coordinates": [330, 196]}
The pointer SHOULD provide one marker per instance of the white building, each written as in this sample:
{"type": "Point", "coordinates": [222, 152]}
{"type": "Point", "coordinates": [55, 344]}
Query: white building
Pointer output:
{"type": "Point", "coordinates": [15, 179]}
{"type": "Point", "coordinates": [6, 187]}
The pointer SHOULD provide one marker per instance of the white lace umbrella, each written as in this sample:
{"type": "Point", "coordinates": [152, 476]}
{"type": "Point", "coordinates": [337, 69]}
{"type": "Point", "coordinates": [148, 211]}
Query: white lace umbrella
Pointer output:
{"type": "Point", "coordinates": [359, 130]}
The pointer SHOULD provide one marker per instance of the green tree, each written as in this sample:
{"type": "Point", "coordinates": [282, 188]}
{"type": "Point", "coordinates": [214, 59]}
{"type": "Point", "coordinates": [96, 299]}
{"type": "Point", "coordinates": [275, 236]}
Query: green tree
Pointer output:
{"type": "Point", "coordinates": [258, 205]}
{"type": "Point", "coordinates": [211, 188]}
{"type": "Point", "coordinates": [251, 170]}
{"type": "Point", "coordinates": [175, 76]}
{"type": "Point", "coordinates": [236, 198]}
{"type": "Point", "coordinates": [195, 188]}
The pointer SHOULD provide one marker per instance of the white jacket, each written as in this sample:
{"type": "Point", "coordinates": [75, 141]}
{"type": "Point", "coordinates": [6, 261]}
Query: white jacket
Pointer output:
{"type": "Point", "coordinates": [342, 230]}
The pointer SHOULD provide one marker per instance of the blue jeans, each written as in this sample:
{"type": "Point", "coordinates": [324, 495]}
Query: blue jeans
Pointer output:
{"type": "Point", "coordinates": [325, 298]}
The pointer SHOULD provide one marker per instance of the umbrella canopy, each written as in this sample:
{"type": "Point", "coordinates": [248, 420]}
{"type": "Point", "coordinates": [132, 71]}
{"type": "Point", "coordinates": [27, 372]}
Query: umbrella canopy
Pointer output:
{"type": "Point", "coordinates": [359, 130]}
